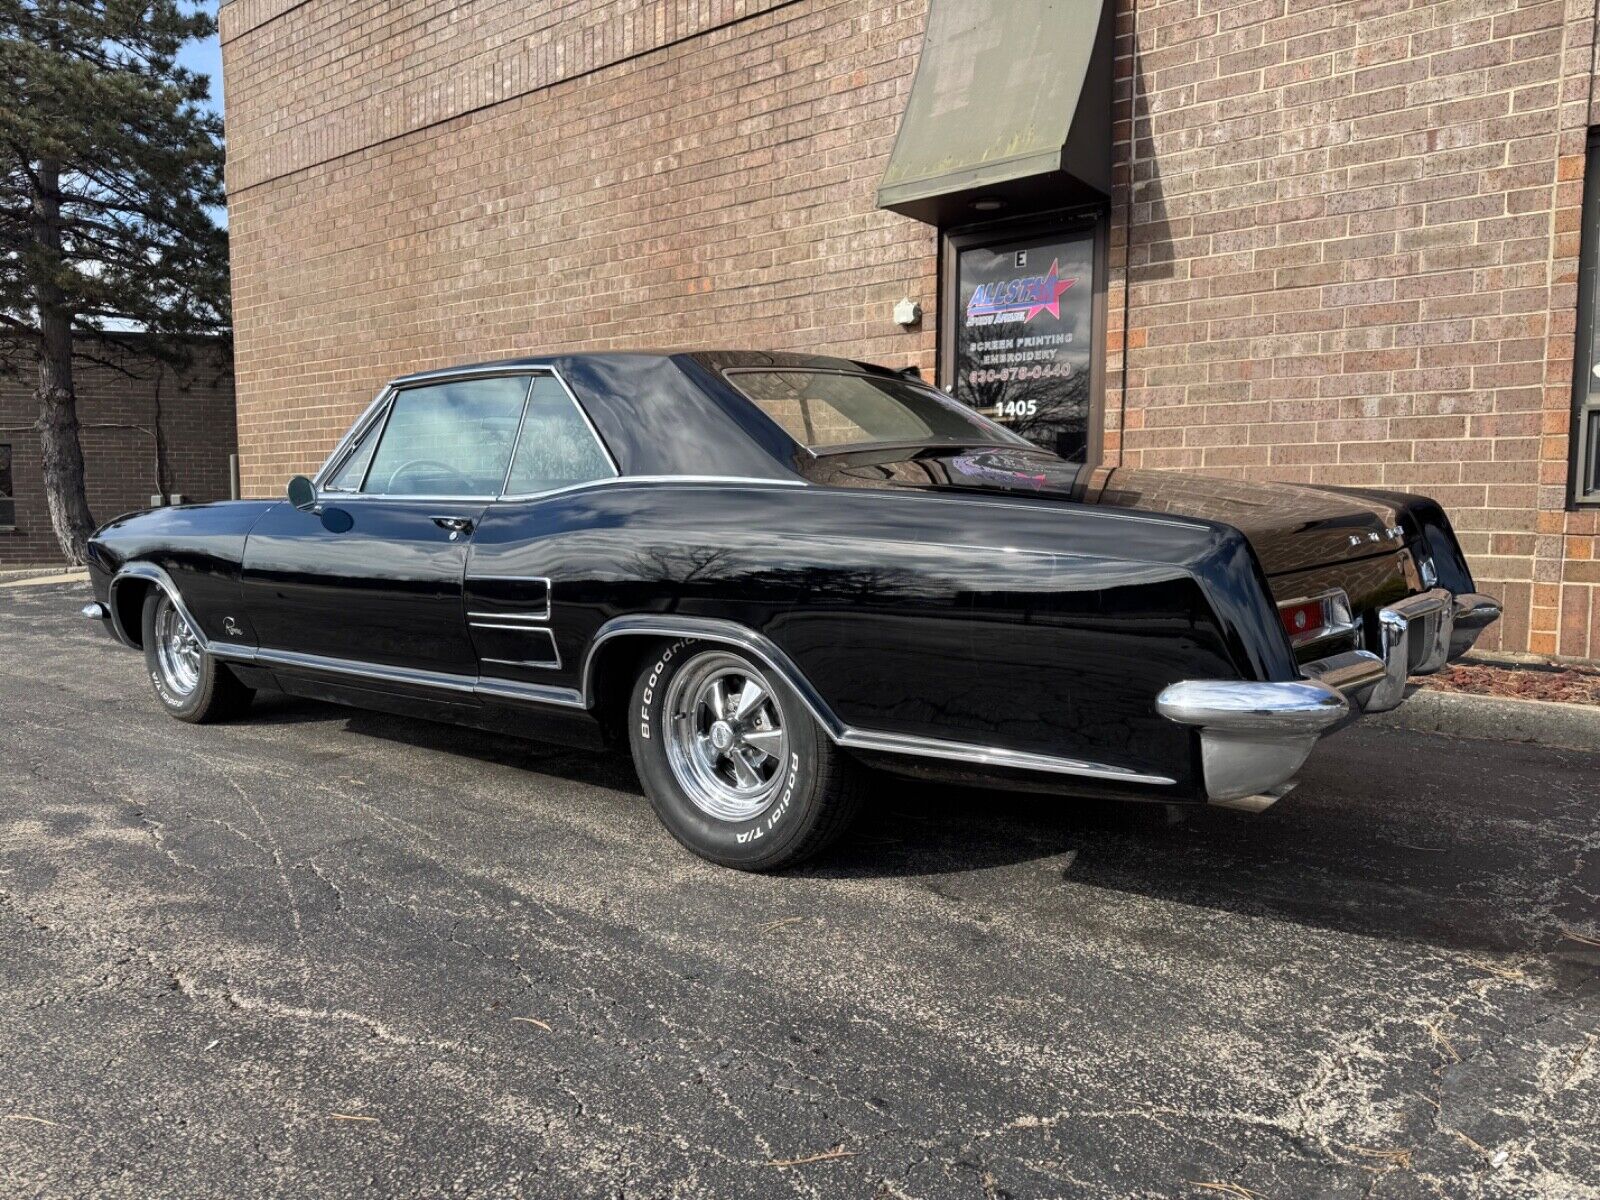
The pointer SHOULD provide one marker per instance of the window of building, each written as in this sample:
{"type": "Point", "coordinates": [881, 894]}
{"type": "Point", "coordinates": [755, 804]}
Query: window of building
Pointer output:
{"type": "Point", "coordinates": [448, 439]}
{"type": "Point", "coordinates": [8, 494]}
{"type": "Point", "coordinates": [1021, 326]}
{"type": "Point", "coordinates": [556, 447]}
{"type": "Point", "coordinates": [1586, 365]}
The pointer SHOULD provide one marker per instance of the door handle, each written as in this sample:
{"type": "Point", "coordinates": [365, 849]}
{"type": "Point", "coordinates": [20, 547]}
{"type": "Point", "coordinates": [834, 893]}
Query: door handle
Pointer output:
{"type": "Point", "coordinates": [456, 525]}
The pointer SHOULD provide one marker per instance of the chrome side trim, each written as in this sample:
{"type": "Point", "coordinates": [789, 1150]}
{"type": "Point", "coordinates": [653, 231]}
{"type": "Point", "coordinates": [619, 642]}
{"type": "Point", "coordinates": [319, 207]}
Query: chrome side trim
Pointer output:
{"type": "Point", "coordinates": [616, 480]}
{"type": "Point", "coordinates": [441, 680]}
{"type": "Point", "coordinates": [604, 481]}
{"type": "Point", "coordinates": [549, 662]}
{"type": "Point", "coordinates": [1253, 735]}
{"type": "Point", "coordinates": [991, 756]}
{"type": "Point", "coordinates": [535, 693]}
{"type": "Point", "coordinates": [234, 652]}
{"type": "Point", "coordinates": [706, 629]}
{"type": "Point", "coordinates": [541, 614]}
{"type": "Point", "coordinates": [152, 574]}
{"type": "Point", "coordinates": [338, 498]}
{"type": "Point", "coordinates": [379, 672]}
{"type": "Point", "coordinates": [713, 629]}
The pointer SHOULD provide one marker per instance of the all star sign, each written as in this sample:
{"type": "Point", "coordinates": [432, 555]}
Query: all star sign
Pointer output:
{"type": "Point", "coordinates": [1019, 300]}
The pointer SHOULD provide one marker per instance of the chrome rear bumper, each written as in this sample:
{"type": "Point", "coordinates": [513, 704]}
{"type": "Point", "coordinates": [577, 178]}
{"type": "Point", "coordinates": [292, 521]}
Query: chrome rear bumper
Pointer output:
{"type": "Point", "coordinates": [1420, 634]}
{"type": "Point", "coordinates": [1254, 735]}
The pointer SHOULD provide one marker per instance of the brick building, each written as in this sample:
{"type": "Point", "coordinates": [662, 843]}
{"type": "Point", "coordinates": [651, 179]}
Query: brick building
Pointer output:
{"type": "Point", "coordinates": [147, 430]}
{"type": "Point", "coordinates": [1336, 242]}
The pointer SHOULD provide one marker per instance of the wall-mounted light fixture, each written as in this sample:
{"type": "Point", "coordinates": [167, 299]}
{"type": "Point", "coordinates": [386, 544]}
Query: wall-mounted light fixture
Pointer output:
{"type": "Point", "coordinates": [907, 313]}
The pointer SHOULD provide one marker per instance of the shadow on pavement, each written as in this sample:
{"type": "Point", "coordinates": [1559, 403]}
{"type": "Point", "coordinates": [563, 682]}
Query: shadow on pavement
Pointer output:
{"type": "Point", "coordinates": [1393, 835]}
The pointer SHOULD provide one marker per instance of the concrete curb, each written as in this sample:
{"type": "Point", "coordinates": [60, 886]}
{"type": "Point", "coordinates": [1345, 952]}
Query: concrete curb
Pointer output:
{"type": "Point", "coordinates": [1496, 718]}
{"type": "Point", "coordinates": [39, 580]}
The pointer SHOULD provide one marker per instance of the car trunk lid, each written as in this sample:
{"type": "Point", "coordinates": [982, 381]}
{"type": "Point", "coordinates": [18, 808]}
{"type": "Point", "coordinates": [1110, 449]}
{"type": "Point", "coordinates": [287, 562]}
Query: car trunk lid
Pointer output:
{"type": "Point", "coordinates": [1292, 528]}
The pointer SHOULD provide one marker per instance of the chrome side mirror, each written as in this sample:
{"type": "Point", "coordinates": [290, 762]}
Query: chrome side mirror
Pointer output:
{"type": "Point", "coordinates": [303, 494]}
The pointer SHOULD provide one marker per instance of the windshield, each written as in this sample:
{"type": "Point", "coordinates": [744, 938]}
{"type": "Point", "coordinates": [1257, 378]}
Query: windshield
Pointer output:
{"type": "Point", "coordinates": [827, 410]}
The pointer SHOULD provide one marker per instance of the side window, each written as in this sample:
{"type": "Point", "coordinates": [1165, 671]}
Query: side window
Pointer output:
{"type": "Point", "coordinates": [349, 476]}
{"type": "Point", "coordinates": [557, 447]}
{"type": "Point", "coordinates": [448, 439]}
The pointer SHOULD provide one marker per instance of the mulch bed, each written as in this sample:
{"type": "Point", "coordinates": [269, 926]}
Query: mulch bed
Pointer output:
{"type": "Point", "coordinates": [1567, 685]}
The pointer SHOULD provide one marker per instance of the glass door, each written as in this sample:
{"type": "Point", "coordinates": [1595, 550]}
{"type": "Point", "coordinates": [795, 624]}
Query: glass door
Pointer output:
{"type": "Point", "coordinates": [1020, 335]}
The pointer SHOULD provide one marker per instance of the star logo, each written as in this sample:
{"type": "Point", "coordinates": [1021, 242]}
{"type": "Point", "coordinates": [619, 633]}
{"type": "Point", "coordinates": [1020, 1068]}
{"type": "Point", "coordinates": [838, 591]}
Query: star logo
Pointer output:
{"type": "Point", "coordinates": [1019, 300]}
{"type": "Point", "coordinates": [1053, 286]}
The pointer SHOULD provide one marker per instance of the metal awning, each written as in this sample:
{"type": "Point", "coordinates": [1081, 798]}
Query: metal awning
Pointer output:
{"type": "Point", "coordinates": [1011, 103]}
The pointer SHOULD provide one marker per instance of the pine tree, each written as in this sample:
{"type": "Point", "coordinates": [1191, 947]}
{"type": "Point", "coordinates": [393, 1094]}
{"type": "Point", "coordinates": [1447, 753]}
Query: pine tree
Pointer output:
{"type": "Point", "coordinates": [110, 171]}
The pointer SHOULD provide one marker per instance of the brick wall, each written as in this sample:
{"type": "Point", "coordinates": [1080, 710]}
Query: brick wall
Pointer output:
{"type": "Point", "coordinates": [1351, 258]}
{"type": "Point", "coordinates": [1343, 239]}
{"type": "Point", "coordinates": [662, 188]}
{"type": "Point", "coordinates": [118, 412]}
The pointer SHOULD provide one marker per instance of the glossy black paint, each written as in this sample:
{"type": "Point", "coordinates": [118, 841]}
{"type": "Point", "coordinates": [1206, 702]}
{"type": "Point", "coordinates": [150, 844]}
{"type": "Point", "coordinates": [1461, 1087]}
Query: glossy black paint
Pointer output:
{"type": "Point", "coordinates": [386, 590]}
{"type": "Point", "coordinates": [1291, 527]}
{"type": "Point", "coordinates": [905, 612]}
{"type": "Point", "coordinates": [200, 546]}
{"type": "Point", "coordinates": [985, 594]}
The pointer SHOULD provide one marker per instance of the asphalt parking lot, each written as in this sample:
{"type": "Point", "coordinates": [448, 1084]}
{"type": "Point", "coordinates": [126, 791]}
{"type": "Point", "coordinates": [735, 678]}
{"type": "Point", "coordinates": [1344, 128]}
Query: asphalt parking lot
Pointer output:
{"type": "Point", "coordinates": [324, 952]}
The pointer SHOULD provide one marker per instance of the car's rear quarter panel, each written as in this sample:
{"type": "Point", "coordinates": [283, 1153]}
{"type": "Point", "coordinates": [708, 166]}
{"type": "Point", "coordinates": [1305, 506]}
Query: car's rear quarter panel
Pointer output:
{"type": "Point", "coordinates": [1046, 628]}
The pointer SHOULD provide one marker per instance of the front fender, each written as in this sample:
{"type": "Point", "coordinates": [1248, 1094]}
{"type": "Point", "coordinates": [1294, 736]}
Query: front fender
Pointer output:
{"type": "Point", "coordinates": [193, 551]}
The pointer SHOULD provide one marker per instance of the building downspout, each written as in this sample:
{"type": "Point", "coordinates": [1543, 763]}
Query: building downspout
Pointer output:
{"type": "Point", "coordinates": [1127, 225]}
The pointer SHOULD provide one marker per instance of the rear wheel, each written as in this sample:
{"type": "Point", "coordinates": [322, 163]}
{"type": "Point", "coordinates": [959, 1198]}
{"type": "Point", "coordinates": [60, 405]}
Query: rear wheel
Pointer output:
{"type": "Point", "coordinates": [191, 685]}
{"type": "Point", "coordinates": [736, 767]}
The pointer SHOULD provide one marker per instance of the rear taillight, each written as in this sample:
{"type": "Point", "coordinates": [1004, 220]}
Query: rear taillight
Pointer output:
{"type": "Point", "coordinates": [1313, 618]}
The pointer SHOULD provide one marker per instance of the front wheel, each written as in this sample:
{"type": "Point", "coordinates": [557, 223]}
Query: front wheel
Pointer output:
{"type": "Point", "coordinates": [191, 685]}
{"type": "Point", "coordinates": [735, 766]}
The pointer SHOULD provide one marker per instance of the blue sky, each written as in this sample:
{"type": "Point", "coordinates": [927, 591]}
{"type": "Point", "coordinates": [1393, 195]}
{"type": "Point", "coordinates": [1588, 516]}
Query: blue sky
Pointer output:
{"type": "Point", "coordinates": [206, 57]}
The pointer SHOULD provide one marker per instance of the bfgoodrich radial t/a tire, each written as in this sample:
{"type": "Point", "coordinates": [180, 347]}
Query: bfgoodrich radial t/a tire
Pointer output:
{"type": "Point", "coordinates": [736, 767]}
{"type": "Point", "coordinates": [191, 685]}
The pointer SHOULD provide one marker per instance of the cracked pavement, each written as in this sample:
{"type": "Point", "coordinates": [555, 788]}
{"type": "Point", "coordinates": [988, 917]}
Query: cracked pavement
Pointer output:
{"type": "Point", "coordinates": [335, 953]}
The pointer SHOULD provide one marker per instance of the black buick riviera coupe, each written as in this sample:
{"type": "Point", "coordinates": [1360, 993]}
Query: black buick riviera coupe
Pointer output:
{"type": "Point", "coordinates": [769, 572]}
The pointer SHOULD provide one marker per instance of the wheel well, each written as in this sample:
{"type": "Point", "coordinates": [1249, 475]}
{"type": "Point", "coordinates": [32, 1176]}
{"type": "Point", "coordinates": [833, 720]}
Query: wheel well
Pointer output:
{"type": "Point", "coordinates": [128, 600]}
{"type": "Point", "coordinates": [612, 675]}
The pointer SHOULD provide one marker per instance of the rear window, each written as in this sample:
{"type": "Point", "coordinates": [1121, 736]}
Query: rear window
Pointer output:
{"type": "Point", "coordinates": [827, 410]}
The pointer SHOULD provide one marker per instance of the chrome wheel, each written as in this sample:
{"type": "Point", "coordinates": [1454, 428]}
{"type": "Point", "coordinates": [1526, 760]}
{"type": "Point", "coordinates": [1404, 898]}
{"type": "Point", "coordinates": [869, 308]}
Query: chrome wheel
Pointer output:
{"type": "Point", "coordinates": [725, 736]}
{"type": "Point", "coordinates": [178, 652]}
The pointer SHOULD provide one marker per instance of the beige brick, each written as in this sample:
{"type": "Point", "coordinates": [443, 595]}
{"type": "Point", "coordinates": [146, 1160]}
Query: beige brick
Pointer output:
{"type": "Point", "coordinates": [1350, 242]}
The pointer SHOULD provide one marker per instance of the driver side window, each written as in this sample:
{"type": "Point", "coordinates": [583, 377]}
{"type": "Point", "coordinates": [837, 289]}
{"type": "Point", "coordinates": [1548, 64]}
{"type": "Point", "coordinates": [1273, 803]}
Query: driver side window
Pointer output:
{"type": "Point", "coordinates": [448, 439]}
